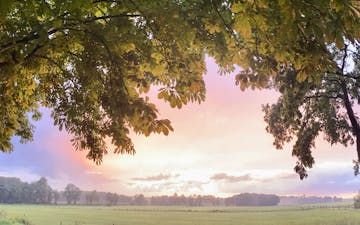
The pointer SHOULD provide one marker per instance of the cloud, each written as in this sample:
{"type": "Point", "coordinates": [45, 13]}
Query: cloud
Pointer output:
{"type": "Point", "coordinates": [24, 174]}
{"type": "Point", "coordinates": [158, 177]}
{"type": "Point", "coordinates": [169, 188]}
{"type": "Point", "coordinates": [193, 185]}
{"type": "Point", "coordinates": [272, 182]}
{"type": "Point", "coordinates": [231, 179]}
{"type": "Point", "coordinates": [281, 177]}
{"type": "Point", "coordinates": [253, 177]}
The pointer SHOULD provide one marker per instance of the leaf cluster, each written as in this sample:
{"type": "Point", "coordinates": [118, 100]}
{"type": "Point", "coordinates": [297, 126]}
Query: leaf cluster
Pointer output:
{"type": "Point", "coordinates": [307, 109]}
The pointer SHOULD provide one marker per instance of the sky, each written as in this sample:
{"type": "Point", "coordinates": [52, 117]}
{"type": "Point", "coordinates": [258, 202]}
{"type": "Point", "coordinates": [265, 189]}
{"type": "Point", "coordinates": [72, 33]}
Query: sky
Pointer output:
{"type": "Point", "coordinates": [219, 147]}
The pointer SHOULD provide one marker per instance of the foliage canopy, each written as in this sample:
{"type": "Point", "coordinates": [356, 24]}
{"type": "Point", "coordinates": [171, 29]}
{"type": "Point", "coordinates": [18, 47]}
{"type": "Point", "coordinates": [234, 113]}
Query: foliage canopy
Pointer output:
{"type": "Point", "coordinates": [92, 62]}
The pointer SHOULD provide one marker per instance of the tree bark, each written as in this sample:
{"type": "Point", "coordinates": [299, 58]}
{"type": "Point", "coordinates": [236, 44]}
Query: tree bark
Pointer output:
{"type": "Point", "coordinates": [358, 147]}
{"type": "Point", "coordinates": [351, 114]}
{"type": "Point", "coordinates": [348, 106]}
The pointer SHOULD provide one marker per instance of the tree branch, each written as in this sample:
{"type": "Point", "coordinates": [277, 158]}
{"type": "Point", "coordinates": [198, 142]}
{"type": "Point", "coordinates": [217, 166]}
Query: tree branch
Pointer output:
{"type": "Point", "coordinates": [24, 40]}
{"type": "Point", "coordinates": [227, 28]}
{"type": "Point", "coordinates": [96, 18]}
{"type": "Point", "coordinates": [52, 61]}
{"type": "Point", "coordinates": [348, 106]}
{"type": "Point", "coordinates": [73, 22]}
{"type": "Point", "coordinates": [339, 96]}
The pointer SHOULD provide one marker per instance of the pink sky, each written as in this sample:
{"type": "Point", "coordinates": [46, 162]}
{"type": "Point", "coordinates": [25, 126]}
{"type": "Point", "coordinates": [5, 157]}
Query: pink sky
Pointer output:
{"type": "Point", "coordinates": [219, 147]}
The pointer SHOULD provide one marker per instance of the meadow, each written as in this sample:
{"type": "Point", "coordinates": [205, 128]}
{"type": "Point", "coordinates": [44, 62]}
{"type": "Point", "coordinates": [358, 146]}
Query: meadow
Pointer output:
{"type": "Point", "coordinates": [150, 215]}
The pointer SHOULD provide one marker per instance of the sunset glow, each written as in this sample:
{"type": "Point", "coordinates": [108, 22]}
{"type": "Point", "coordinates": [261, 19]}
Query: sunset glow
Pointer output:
{"type": "Point", "coordinates": [219, 147]}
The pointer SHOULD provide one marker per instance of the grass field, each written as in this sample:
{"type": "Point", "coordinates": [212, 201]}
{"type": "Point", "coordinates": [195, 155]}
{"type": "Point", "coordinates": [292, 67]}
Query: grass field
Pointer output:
{"type": "Point", "coordinates": [128, 215]}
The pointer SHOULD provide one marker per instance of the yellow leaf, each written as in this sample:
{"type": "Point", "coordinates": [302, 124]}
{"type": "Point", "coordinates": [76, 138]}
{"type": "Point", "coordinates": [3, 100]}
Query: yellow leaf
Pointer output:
{"type": "Point", "coordinates": [243, 26]}
{"type": "Point", "coordinates": [172, 103]}
{"type": "Point", "coordinates": [339, 41]}
{"type": "Point", "coordinates": [165, 131]}
{"type": "Point", "coordinates": [301, 76]}
{"type": "Point", "coordinates": [98, 13]}
{"type": "Point", "coordinates": [236, 58]}
{"type": "Point", "coordinates": [310, 79]}
{"type": "Point", "coordinates": [279, 56]}
{"type": "Point", "coordinates": [160, 95]}
{"type": "Point", "coordinates": [337, 5]}
{"type": "Point", "coordinates": [146, 89]}
{"type": "Point", "coordinates": [159, 69]}
{"type": "Point", "coordinates": [129, 47]}
{"type": "Point", "coordinates": [157, 56]}
{"type": "Point", "coordinates": [273, 73]}
{"type": "Point", "coordinates": [298, 64]}
{"type": "Point", "coordinates": [237, 7]}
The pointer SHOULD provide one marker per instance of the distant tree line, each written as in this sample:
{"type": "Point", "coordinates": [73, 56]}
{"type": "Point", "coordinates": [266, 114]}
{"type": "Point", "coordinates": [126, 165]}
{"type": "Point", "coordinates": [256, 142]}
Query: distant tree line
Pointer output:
{"type": "Point", "coordinates": [302, 200]}
{"type": "Point", "coordinates": [251, 199]}
{"type": "Point", "coordinates": [15, 191]}
{"type": "Point", "coordinates": [181, 200]}
{"type": "Point", "coordinates": [357, 201]}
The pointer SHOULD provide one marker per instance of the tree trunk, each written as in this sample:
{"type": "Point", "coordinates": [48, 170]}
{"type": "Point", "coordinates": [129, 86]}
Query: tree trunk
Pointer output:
{"type": "Point", "coordinates": [358, 146]}
{"type": "Point", "coordinates": [352, 118]}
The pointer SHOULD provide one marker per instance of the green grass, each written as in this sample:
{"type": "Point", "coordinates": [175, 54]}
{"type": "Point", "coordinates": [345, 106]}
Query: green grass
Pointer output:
{"type": "Point", "coordinates": [127, 215]}
{"type": "Point", "coordinates": [4, 220]}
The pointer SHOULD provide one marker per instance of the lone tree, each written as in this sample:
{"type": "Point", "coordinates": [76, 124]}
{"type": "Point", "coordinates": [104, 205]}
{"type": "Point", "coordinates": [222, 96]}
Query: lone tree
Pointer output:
{"type": "Point", "coordinates": [42, 192]}
{"type": "Point", "coordinates": [72, 194]}
{"type": "Point", "coordinates": [93, 61]}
